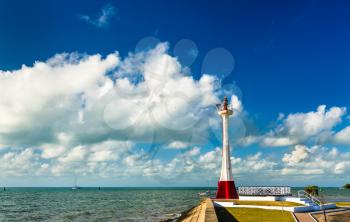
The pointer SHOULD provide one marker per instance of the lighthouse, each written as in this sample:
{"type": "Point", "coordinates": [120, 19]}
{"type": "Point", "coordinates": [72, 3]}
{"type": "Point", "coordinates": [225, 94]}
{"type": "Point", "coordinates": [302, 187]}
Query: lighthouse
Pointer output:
{"type": "Point", "coordinates": [226, 185]}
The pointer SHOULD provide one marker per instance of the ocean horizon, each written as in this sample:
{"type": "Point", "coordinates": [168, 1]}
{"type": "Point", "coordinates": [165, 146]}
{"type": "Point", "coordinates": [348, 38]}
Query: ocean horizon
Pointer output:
{"type": "Point", "coordinates": [183, 100]}
{"type": "Point", "coordinates": [111, 203]}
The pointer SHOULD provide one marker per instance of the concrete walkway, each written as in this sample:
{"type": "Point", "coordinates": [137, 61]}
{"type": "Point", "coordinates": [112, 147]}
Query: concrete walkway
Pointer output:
{"type": "Point", "coordinates": [204, 212]}
{"type": "Point", "coordinates": [340, 215]}
{"type": "Point", "coordinates": [304, 217]}
{"type": "Point", "coordinates": [210, 213]}
{"type": "Point", "coordinates": [336, 215]}
{"type": "Point", "coordinates": [196, 213]}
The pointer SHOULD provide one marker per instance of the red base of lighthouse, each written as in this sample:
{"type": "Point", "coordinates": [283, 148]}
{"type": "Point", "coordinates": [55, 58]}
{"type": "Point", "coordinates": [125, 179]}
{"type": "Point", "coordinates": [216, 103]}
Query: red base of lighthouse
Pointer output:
{"type": "Point", "coordinates": [226, 190]}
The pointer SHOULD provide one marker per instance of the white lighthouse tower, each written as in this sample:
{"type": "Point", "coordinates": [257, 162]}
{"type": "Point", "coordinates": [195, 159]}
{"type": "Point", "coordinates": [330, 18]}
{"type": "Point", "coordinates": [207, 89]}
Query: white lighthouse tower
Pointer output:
{"type": "Point", "coordinates": [226, 185]}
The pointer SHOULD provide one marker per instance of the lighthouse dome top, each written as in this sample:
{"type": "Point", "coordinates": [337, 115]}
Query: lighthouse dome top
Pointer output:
{"type": "Point", "coordinates": [223, 108]}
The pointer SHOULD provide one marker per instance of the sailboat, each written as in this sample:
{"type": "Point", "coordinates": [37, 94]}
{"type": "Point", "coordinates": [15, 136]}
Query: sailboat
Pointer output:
{"type": "Point", "coordinates": [75, 187]}
{"type": "Point", "coordinates": [205, 193]}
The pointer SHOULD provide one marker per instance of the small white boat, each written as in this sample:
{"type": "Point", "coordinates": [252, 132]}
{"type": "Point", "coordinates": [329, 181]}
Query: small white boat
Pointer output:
{"type": "Point", "coordinates": [206, 193]}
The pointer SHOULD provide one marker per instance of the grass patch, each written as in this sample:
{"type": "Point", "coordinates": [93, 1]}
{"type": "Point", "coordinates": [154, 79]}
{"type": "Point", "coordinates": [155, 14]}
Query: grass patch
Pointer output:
{"type": "Point", "coordinates": [343, 204]}
{"type": "Point", "coordinates": [268, 203]}
{"type": "Point", "coordinates": [254, 215]}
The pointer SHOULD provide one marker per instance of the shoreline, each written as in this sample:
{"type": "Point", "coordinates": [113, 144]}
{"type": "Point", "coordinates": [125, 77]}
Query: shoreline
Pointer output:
{"type": "Point", "coordinates": [204, 211]}
{"type": "Point", "coordinates": [183, 214]}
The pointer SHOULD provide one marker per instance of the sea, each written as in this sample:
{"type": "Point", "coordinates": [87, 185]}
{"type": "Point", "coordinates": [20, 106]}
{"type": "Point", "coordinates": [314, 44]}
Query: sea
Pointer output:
{"type": "Point", "coordinates": [110, 204]}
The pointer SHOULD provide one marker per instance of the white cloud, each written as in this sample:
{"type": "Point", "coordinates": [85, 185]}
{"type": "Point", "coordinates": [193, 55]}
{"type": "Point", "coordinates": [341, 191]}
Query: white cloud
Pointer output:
{"type": "Point", "coordinates": [69, 100]}
{"type": "Point", "coordinates": [94, 115]}
{"type": "Point", "coordinates": [240, 166]}
{"type": "Point", "coordinates": [123, 161]}
{"type": "Point", "coordinates": [52, 150]}
{"type": "Point", "coordinates": [299, 154]}
{"type": "Point", "coordinates": [109, 151]}
{"type": "Point", "coordinates": [177, 145]}
{"type": "Point", "coordinates": [315, 160]}
{"type": "Point", "coordinates": [193, 152]}
{"type": "Point", "coordinates": [304, 125]}
{"type": "Point", "coordinates": [315, 126]}
{"type": "Point", "coordinates": [255, 163]}
{"type": "Point", "coordinates": [75, 112]}
{"type": "Point", "coordinates": [103, 19]}
{"type": "Point", "coordinates": [40, 104]}
{"type": "Point", "coordinates": [278, 141]}
{"type": "Point", "coordinates": [236, 104]}
{"type": "Point", "coordinates": [342, 167]}
{"type": "Point", "coordinates": [19, 163]}
{"type": "Point", "coordinates": [343, 136]}
{"type": "Point", "coordinates": [291, 171]}
{"type": "Point", "coordinates": [75, 155]}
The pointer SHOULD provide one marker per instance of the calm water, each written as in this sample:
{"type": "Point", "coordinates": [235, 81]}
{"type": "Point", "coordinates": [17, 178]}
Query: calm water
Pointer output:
{"type": "Point", "coordinates": [108, 204]}
{"type": "Point", "coordinates": [91, 204]}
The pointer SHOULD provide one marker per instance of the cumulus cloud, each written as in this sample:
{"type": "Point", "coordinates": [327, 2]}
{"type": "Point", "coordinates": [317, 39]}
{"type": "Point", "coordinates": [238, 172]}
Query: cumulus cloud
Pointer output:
{"type": "Point", "coordinates": [299, 154]}
{"type": "Point", "coordinates": [41, 104]}
{"type": "Point", "coordinates": [309, 124]}
{"type": "Point", "coordinates": [308, 134]}
{"type": "Point", "coordinates": [236, 105]}
{"type": "Point", "coordinates": [343, 136]}
{"type": "Point", "coordinates": [122, 160]}
{"type": "Point", "coordinates": [315, 160]}
{"type": "Point", "coordinates": [74, 112]}
{"type": "Point", "coordinates": [177, 145]}
{"type": "Point", "coordinates": [75, 155]}
{"type": "Point", "coordinates": [20, 162]}
{"type": "Point", "coordinates": [71, 99]}
{"type": "Point", "coordinates": [278, 141]}
{"type": "Point", "coordinates": [295, 128]}
{"type": "Point", "coordinates": [103, 18]}
{"type": "Point", "coordinates": [251, 164]}
{"type": "Point", "coordinates": [109, 116]}
{"type": "Point", "coordinates": [299, 127]}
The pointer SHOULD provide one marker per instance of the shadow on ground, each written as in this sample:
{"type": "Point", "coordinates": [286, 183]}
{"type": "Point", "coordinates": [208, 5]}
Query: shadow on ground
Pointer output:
{"type": "Point", "coordinates": [334, 217]}
{"type": "Point", "coordinates": [223, 215]}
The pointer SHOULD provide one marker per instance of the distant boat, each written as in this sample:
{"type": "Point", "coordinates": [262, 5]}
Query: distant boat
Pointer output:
{"type": "Point", "coordinates": [204, 194]}
{"type": "Point", "coordinates": [76, 187]}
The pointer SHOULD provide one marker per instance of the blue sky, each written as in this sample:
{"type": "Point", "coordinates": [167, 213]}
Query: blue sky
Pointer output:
{"type": "Point", "coordinates": [273, 57]}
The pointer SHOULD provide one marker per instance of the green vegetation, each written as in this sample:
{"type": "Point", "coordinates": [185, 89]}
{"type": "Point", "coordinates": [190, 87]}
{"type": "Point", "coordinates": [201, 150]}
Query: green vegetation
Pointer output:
{"type": "Point", "coordinates": [267, 203]}
{"type": "Point", "coordinates": [347, 186]}
{"type": "Point", "coordinates": [254, 215]}
{"type": "Point", "coordinates": [312, 189]}
{"type": "Point", "coordinates": [343, 204]}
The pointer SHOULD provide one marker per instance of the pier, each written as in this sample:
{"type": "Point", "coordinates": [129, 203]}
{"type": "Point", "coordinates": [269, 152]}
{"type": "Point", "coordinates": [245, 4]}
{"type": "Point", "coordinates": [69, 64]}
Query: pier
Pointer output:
{"type": "Point", "coordinates": [205, 212]}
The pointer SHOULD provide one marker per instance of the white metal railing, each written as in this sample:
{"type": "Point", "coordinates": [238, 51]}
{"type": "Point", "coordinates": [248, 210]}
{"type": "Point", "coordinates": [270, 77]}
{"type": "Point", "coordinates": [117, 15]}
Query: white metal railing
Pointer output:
{"type": "Point", "coordinates": [302, 193]}
{"type": "Point", "coordinates": [264, 191]}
